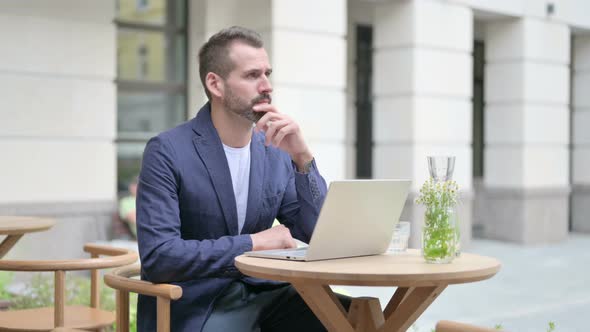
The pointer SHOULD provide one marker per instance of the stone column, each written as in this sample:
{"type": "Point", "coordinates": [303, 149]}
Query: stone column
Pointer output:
{"type": "Point", "coordinates": [308, 54]}
{"type": "Point", "coordinates": [196, 35]}
{"type": "Point", "coordinates": [527, 131]}
{"type": "Point", "coordinates": [58, 119]}
{"type": "Point", "coordinates": [422, 96]}
{"type": "Point", "coordinates": [580, 211]}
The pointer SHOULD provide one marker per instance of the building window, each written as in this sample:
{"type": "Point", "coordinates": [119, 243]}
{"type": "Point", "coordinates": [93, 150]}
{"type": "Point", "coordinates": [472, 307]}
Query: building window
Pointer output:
{"type": "Point", "coordinates": [478, 109]}
{"type": "Point", "coordinates": [142, 4]}
{"type": "Point", "coordinates": [364, 102]}
{"type": "Point", "coordinates": [151, 76]}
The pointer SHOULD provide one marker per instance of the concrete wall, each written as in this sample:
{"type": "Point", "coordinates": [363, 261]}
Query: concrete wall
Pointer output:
{"type": "Point", "coordinates": [309, 58]}
{"type": "Point", "coordinates": [58, 116]}
{"type": "Point", "coordinates": [573, 13]}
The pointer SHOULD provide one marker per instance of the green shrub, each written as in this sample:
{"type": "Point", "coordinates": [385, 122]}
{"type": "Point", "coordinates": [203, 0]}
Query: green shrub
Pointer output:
{"type": "Point", "coordinates": [39, 292]}
{"type": "Point", "coordinates": [5, 279]}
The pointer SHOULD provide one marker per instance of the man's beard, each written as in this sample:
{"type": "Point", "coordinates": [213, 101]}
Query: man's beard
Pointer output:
{"type": "Point", "coordinates": [238, 106]}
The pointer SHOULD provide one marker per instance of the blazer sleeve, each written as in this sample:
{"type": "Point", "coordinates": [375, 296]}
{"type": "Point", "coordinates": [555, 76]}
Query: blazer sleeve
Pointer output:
{"type": "Point", "coordinates": [301, 204]}
{"type": "Point", "coordinates": [165, 255]}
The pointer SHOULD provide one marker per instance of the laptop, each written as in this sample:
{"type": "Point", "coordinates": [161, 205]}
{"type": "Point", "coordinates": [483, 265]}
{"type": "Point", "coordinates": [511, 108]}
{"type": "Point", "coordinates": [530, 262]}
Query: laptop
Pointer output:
{"type": "Point", "coordinates": [357, 219]}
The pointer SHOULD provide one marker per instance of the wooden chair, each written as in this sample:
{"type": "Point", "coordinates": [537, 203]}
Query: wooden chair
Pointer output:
{"type": "Point", "coordinates": [121, 279]}
{"type": "Point", "coordinates": [80, 317]}
{"type": "Point", "coordinates": [448, 326]}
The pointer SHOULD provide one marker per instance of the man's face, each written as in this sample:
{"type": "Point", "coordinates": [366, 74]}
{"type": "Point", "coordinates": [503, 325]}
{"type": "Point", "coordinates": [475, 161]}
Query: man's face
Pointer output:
{"type": "Point", "coordinates": [248, 83]}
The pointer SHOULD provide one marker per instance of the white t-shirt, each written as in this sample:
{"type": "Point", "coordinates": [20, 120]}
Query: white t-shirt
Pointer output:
{"type": "Point", "coordinates": [238, 160]}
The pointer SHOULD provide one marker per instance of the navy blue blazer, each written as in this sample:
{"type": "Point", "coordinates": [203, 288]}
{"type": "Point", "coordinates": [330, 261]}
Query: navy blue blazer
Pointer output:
{"type": "Point", "coordinates": [187, 227]}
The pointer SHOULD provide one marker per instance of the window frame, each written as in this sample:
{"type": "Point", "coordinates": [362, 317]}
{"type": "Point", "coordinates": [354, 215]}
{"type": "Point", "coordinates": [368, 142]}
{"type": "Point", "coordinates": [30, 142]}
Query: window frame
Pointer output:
{"type": "Point", "coordinates": [174, 30]}
{"type": "Point", "coordinates": [171, 32]}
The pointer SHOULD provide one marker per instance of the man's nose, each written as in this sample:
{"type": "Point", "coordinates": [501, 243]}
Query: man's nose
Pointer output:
{"type": "Point", "coordinates": [265, 86]}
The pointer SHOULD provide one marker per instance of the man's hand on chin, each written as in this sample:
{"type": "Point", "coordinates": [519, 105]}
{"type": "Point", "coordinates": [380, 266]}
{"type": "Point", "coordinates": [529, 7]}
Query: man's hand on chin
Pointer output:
{"type": "Point", "coordinates": [283, 132]}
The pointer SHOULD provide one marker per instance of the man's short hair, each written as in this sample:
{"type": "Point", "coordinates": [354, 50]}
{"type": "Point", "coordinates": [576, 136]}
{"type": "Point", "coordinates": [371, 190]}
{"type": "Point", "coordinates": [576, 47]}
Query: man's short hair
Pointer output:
{"type": "Point", "coordinates": [214, 54]}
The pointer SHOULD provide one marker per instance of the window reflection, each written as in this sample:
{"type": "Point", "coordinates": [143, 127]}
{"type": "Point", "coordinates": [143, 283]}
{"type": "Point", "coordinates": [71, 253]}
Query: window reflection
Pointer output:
{"type": "Point", "coordinates": [141, 55]}
{"type": "Point", "coordinates": [151, 76]}
{"type": "Point", "coordinates": [142, 60]}
{"type": "Point", "coordinates": [146, 114]}
{"type": "Point", "coordinates": [142, 11]}
{"type": "Point", "coordinates": [150, 56]}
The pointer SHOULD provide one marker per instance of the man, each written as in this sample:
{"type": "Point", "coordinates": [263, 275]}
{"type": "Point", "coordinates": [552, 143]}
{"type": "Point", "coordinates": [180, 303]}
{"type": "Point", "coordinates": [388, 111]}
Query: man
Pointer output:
{"type": "Point", "coordinates": [210, 189]}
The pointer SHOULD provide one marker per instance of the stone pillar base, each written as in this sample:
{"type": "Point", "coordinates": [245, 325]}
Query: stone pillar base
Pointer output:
{"type": "Point", "coordinates": [534, 216]}
{"type": "Point", "coordinates": [580, 208]}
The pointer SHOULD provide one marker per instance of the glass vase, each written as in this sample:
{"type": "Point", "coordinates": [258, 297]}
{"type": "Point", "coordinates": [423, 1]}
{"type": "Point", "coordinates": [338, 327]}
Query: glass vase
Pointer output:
{"type": "Point", "coordinates": [439, 235]}
{"type": "Point", "coordinates": [441, 169]}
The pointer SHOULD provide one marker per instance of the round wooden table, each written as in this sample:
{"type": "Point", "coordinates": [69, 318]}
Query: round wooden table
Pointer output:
{"type": "Point", "coordinates": [419, 284]}
{"type": "Point", "coordinates": [16, 226]}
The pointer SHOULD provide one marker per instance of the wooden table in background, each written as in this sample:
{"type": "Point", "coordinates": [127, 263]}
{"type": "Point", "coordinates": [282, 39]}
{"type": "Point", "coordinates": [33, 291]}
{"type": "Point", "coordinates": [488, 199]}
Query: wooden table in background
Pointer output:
{"type": "Point", "coordinates": [15, 227]}
{"type": "Point", "coordinates": [418, 285]}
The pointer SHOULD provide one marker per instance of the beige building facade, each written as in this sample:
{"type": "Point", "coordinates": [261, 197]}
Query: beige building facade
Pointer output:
{"type": "Point", "coordinates": [376, 86]}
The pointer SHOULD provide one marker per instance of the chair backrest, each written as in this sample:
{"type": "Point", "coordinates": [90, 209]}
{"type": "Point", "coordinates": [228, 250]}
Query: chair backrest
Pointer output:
{"type": "Point", "coordinates": [115, 257]}
{"type": "Point", "coordinates": [449, 326]}
{"type": "Point", "coordinates": [121, 279]}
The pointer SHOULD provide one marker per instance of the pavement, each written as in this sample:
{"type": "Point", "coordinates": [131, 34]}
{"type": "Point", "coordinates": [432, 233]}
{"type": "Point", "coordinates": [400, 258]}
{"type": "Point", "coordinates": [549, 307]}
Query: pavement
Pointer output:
{"type": "Point", "coordinates": [536, 285]}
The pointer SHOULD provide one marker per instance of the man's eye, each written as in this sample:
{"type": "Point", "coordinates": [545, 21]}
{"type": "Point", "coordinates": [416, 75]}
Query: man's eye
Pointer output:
{"type": "Point", "coordinates": [252, 75]}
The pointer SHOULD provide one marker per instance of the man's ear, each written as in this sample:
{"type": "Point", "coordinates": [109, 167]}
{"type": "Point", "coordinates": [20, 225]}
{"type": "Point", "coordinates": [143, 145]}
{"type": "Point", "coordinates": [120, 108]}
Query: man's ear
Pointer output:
{"type": "Point", "coordinates": [214, 84]}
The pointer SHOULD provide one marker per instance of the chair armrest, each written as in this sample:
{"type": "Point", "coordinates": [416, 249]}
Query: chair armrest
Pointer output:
{"type": "Point", "coordinates": [449, 326]}
{"type": "Point", "coordinates": [98, 249]}
{"type": "Point", "coordinates": [120, 279]}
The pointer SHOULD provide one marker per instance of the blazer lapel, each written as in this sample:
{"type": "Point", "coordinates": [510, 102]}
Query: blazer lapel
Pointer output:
{"type": "Point", "coordinates": [257, 165]}
{"type": "Point", "coordinates": [210, 150]}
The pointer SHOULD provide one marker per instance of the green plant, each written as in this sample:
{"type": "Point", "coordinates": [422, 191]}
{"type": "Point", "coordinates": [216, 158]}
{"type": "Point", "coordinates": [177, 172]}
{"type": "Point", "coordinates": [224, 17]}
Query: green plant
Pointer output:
{"type": "Point", "coordinates": [440, 226]}
{"type": "Point", "coordinates": [439, 195]}
{"type": "Point", "coordinates": [132, 312]}
{"type": "Point", "coordinates": [5, 279]}
{"type": "Point", "coordinates": [39, 292]}
{"type": "Point", "coordinates": [551, 327]}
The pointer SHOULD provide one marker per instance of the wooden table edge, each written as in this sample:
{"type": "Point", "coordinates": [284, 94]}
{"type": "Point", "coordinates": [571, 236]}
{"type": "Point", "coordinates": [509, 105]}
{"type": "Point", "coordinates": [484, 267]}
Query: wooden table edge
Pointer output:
{"type": "Point", "coordinates": [377, 280]}
{"type": "Point", "coordinates": [40, 224]}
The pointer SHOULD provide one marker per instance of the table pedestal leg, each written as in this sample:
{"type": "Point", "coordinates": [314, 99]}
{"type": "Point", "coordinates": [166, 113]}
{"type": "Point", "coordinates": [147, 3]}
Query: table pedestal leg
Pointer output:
{"type": "Point", "coordinates": [325, 305]}
{"type": "Point", "coordinates": [365, 314]}
{"type": "Point", "coordinates": [8, 243]}
{"type": "Point", "coordinates": [405, 306]}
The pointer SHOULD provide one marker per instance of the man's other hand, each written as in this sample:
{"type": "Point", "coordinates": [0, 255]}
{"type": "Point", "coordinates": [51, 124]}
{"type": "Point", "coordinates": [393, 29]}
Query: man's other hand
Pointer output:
{"type": "Point", "coordinates": [278, 237]}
